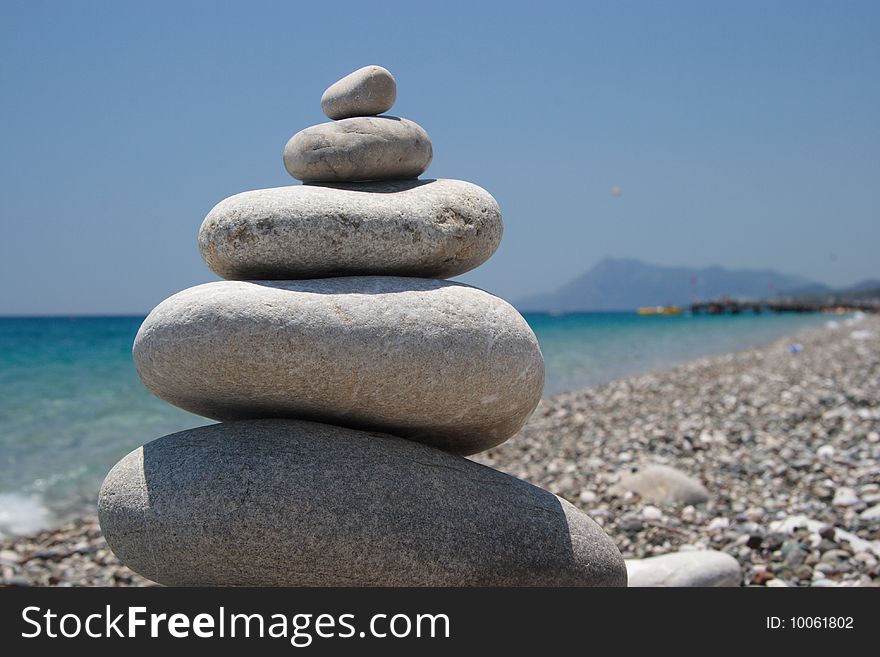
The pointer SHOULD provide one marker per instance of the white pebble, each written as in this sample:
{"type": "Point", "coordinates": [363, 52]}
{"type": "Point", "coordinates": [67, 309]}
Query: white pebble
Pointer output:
{"type": "Point", "coordinates": [587, 496]}
{"type": "Point", "coordinates": [825, 452]}
{"type": "Point", "coordinates": [866, 558]}
{"type": "Point", "coordinates": [717, 524]}
{"type": "Point", "coordinates": [845, 497]}
{"type": "Point", "coordinates": [871, 514]}
{"type": "Point", "coordinates": [651, 513]}
{"type": "Point", "coordinates": [754, 514]}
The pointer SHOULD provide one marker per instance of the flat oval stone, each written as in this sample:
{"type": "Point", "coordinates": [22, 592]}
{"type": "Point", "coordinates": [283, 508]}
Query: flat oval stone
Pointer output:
{"type": "Point", "coordinates": [361, 148]}
{"type": "Point", "coordinates": [430, 228]}
{"type": "Point", "coordinates": [292, 503]}
{"type": "Point", "coordinates": [704, 568]}
{"type": "Point", "coordinates": [661, 484]}
{"type": "Point", "coordinates": [368, 91]}
{"type": "Point", "coordinates": [433, 361]}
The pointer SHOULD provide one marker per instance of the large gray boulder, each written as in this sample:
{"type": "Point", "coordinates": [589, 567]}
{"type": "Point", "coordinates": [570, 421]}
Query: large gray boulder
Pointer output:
{"type": "Point", "coordinates": [292, 503]}
{"type": "Point", "coordinates": [434, 361]}
{"type": "Point", "coordinates": [430, 228]}
{"type": "Point", "coordinates": [705, 568]}
{"type": "Point", "coordinates": [361, 148]}
{"type": "Point", "coordinates": [368, 91]}
{"type": "Point", "coordinates": [661, 484]}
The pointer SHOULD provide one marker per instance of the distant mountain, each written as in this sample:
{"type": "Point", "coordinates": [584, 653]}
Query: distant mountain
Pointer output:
{"type": "Point", "coordinates": [868, 290]}
{"type": "Point", "coordinates": [862, 294]}
{"type": "Point", "coordinates": [623, 284]}
{"type": "Point", "coordinates": [812, 290]}
{"type": "Point", "coordinates": [871, 285]}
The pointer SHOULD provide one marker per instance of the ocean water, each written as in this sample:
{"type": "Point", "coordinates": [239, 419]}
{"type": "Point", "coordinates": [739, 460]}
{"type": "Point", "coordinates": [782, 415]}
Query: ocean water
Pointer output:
{"type": "Point", "coordinates": [71, 404]}
{"type": "Point", "coordinates": [590, 348]}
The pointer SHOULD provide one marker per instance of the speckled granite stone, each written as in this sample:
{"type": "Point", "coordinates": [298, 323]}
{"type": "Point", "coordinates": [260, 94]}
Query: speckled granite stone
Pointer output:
{"type": "Point", "coordinates": [433, 361]}
{"type": "Point", "coordinates": [361, 148]}
{"type": "Point", "coordinates": [291, 503]}
{"type": "Point", "coordinates": [430, 228]}
{"type": "Point", "coordinates": [368, 91]}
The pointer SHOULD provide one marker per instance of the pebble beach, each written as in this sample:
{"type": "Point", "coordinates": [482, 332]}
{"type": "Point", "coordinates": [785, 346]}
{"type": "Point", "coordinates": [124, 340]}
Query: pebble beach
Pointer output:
{"type": "Point", "coordinates": [784, 440]}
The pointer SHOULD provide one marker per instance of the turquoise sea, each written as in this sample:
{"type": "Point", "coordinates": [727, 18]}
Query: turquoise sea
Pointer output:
{"type": "Point", "coordinates": [71, 404]}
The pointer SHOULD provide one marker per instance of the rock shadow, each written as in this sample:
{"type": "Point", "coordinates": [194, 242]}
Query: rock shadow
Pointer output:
{"type": "Point", "coordinates": [376, 186]}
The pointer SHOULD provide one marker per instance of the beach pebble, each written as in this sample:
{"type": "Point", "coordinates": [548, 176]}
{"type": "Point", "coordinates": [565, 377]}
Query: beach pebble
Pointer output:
{"type": "Point", "coordinates": [431, 229]}
{"type": "Point", "coordinates": [827, 532]}
{"type": "Point", "coordinates": [652, 513]}
{"type": "Point", "coordinates": [368, 91]}
{"type": "Point", "coordinates": [845, 497]}
{"type": "Point", "coordinates": [866, 558]}
{"type": "Point", "coordinates": [293, 503]}
{"type": "Point", "coordinates": [357, 149]}
{"type": "Point", "coordinates": [825, 452]}
{"type": "Point", "coordinates": [434, 361]}
{"type": "Point", "coordinates": [776, 584]}
{"type": "Point", "coordinates": [10, 557]}
{"type": "Point", "coordinates": [834, 556]}
{"type": "Point", "coordinates": [691, 568]}
{"type": "Point", "coordinates": [793, 552]}
{"type": "Point", "coordinates": [663, 485]}
{"type": "Point", "coordinates": [754, 514]}
{"type": "Point", "coordinates": [717, 524]}
{"type": "Point", "coordinates": [872, 513]}
{"type": "Point", "coordinates": [587, 496]}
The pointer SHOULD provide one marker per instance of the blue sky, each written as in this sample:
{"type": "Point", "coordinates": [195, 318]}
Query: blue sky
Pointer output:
{"type": "Point", "coordinates": [744, 134]}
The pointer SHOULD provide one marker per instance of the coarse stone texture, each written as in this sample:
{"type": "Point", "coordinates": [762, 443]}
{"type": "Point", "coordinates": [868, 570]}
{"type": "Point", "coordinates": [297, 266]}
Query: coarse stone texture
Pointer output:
{"type": "Point", "coordinates": [368, 91]}
{"type": "Point", "coordinates": [426, 228]}
{"type": "Point", "coordinates": [706, 568]}
{"type": "Point", "coordinates": [356, 149]}
{"type": "Point", "coordinates": [293, 503]}
{"type": "Point", "coordinates": [661, 484]}
{"type": "Point", "coordinates": [434, 361]}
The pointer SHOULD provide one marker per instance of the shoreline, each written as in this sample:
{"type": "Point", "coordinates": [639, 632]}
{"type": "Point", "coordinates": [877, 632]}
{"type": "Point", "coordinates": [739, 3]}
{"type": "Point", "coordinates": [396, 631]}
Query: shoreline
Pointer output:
{"type": "Point", "coordinates": [749, 425]}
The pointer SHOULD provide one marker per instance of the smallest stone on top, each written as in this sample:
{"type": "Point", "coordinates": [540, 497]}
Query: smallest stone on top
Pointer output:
{"type": "Point", "coordinates": [368, 91]}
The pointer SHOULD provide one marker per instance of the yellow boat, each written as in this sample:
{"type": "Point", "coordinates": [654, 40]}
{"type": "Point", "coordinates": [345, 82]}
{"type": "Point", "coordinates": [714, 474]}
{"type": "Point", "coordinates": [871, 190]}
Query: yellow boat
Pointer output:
{"type": "Point", "coordinates": [659, 310]}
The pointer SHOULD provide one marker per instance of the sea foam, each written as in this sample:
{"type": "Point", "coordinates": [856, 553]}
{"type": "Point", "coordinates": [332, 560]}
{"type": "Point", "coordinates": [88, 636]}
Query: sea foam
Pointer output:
{"type": "Point", "coordinates": [22, 514]}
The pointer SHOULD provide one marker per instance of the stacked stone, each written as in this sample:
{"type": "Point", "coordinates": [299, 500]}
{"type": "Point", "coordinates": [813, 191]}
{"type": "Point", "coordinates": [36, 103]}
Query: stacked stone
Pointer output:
{"type": "Point", "coordinates": [349, 378]}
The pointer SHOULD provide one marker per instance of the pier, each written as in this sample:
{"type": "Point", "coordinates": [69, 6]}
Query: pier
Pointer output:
{"type": "Point", "coordinates": [782, 305]}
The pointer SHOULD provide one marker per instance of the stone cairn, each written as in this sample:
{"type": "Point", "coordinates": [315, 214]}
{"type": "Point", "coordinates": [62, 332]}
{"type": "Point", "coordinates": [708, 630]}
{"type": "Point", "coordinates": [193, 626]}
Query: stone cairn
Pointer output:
{"type": "Point", "coordinates": [349, 379]}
